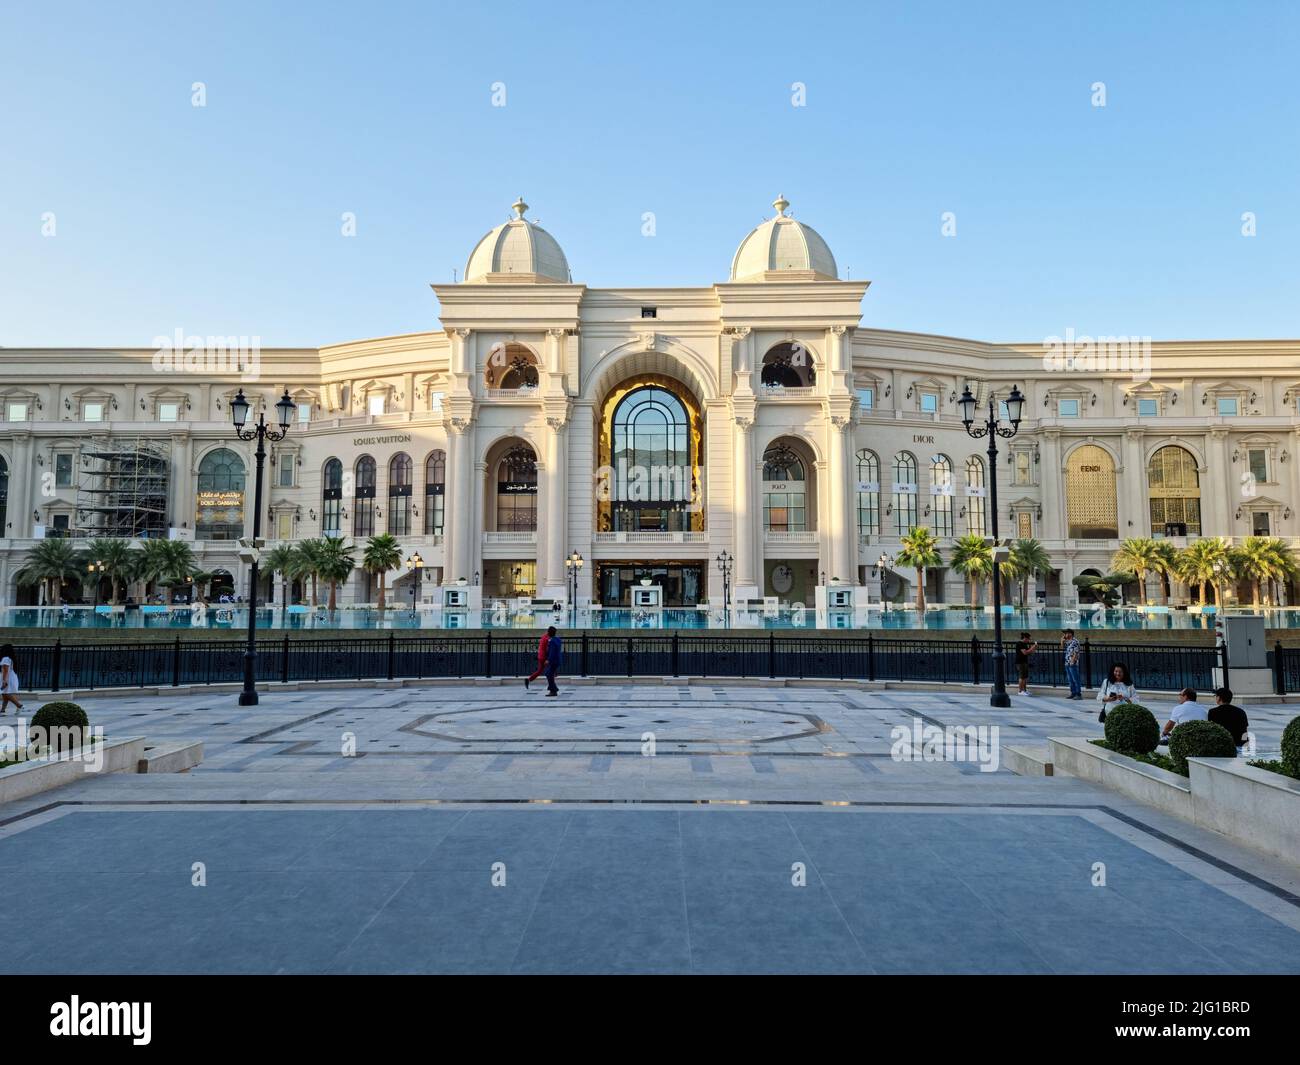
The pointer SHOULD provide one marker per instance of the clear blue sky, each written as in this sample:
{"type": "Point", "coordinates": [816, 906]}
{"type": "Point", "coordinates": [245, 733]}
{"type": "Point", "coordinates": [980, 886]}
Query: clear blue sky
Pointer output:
{"type": "Point", "coordinates": [226, 219]}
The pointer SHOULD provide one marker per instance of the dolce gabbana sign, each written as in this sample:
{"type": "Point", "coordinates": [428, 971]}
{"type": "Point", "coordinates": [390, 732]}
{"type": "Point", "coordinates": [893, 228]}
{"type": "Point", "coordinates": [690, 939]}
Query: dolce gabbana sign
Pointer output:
{"type": "Point", "coordinates": [396, 438]}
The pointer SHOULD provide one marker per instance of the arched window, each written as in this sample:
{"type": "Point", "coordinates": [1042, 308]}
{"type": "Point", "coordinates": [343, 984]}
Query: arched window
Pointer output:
{"type": "Point", "coordinates": [1174, 486]}
{"type": "Point", "coordinates": [904, 499]}
{"type": "Point", "coordinates": [976, 497]}
{"type": "Point", "coordinates": [219, 505]}
{"type": "Point", "coordinates": [868, 493]}
{"type": "Point", "coordinates": [941, 495]}
{"type": "Point", "coordinates": [363, 503]}
{"type": "Point", "coordinates": [1091, 511]}
{"type": "Point", "coordinates": [788, 365]}
{"type": "Point", "coordinates": [331, 504]}
{"type": "Point", "coordinates": [511, 366]}
{"type": "Point", "coordinates": [785, 496]}
{"type": "Point", "coordinates": [435, 483]}
{"type": "Point", "coordinates": [4, 492]}
{"type": "Point", "coordinates": [400, 470]}
{"type": "Point", "coordinates": [517, 490]}
{"type": "Point", "coordinates": [653, 471]}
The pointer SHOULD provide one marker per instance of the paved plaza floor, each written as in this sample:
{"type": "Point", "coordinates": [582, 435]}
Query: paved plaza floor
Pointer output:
{"type": "Point", "coordinates": [621, 828]}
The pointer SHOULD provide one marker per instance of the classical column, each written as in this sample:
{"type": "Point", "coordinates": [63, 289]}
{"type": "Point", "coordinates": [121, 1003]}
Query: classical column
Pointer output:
{"type": "Point", "coordinates": [843, 545]}
{"type": "Point", "coordinates": [23, 488]}
{"type": "Point", "coordinates": [1054, 502]}
{"type": "Point", "coordinates": [554, 521]}
{"type": "Point", "coordinates": [1220, 488]}
{"type": "Point", "coordinates": [459, 502]}
{"type": "Point", "coordinates": [181, 490]}
{"type": "Point", "coordinates": [1135, 515]}
{"type": "Point", "coordinates": [743, 503]}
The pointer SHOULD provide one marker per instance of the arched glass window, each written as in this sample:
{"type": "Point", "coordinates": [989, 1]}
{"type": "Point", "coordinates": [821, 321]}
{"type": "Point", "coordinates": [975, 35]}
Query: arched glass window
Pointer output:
{"type": "Point", "coordinates": [400, 470]}
{"type": "Point", "coordinates": [1091, 509]}
{"type": "Point", "coordinates": [653, 471]}
{"type": "Point", "coordinates": [941, 495]}
{"type": "Point", "coordinates": [511, 366]}
{"type": "Point", "coordinates": [976, 497]}
{"type": "Point", "coordinates": [4, 492]}
{"type": "Point", "coordinates": [435, 483]}
{"type": "Point", "coordinates": [785, 497]}
{"type": "Point", "coordinates": [904, 498]}
{"type": "Point", "coordinates": [868, 493]}
{"type": "Point", "coordinates": [363, 505]}
{"type": "Point", "coordinates": [788, 365]}
{"type": "Point", "coordinates": [331, 504]}
{"type": "Point", "coordinates": [517, 490]}
{"type": "Point", "coordinates": [1174, 486]}
{"type": "Point", "coordinates": [219, 505]}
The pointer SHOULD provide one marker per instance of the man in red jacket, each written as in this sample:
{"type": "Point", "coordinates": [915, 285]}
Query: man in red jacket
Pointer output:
{"type": "Point", "coordinates": [541, 658]}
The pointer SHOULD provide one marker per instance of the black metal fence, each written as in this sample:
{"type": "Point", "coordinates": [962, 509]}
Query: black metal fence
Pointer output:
{"type": "Point", "coordinates": [1155, 667]}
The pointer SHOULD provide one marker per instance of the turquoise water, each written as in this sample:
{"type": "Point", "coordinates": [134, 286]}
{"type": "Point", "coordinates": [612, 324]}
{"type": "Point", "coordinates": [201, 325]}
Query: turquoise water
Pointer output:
{"type": "Point", "coordinates": [235, 619]}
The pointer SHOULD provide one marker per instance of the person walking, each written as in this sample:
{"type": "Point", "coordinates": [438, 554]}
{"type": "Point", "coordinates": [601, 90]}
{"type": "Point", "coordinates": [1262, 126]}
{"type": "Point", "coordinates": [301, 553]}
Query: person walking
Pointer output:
{"type": "Point", "coordinates": [1025, 646]}
{"type": "Point", "coordinates": [1072, 651]}
{"type": "Point", "coordinates": [541, 659]}
{"type": "Point", "coordinates": [554, 659]}
{"type": "Point", "coordinates": [1116, 688]}
{"type": "Point", "coordinates": [9, 682]}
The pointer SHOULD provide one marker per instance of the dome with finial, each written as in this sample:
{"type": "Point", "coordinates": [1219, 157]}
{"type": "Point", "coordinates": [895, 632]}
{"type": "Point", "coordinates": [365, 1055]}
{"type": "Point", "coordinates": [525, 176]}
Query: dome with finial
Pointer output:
{"type": "Point", "coordinates": [782, 249]}
{"type": "Point", "coordinates": [518, 252]}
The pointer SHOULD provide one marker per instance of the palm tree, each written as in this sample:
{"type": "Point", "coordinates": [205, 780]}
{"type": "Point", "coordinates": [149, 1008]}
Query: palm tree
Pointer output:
{"type": "Point", "coordinates": [49, 564]}
{"type": "Point", "coordinates": [281, 559]}
{"type": "Point", "coordinates": [382, 553]}
{"type": "Point", "coordinates": [116, 559]}
{"type": "Point", "coordinates": [169, 563]}
{"type": "Point", "coordinates": [920, 551]}
{"type": "Point", "coordinates": [202, 578]}
{"type": "Point", "coordinates": [1028, 558]}
{"type": "Point", "coordinates": [335, 564]}
{"type": "Point", "coordinates": [310, 554]}
{"type": "Point", "coordinates": [1254, 561]}
{"type": "Point", "coordinates": [1284, 566]}
{"type": "Point", "coordinates": [1166, 564]}
{"type": "Point", "coordinates": [1138, 555]}
{"type": "Point", "coordinates": [973, 559]}
{"type": "Point", "coordinates": [1199, 563]}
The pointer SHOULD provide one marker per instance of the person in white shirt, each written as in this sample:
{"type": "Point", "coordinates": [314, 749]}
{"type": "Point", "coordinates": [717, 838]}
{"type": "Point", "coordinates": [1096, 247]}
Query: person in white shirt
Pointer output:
{"type": "Point", "coordinates": [1116, 688]}
{"type": "Point", "coordinates": [1188, 709]}
{"type": "Point", "coordinates": [9, 682]}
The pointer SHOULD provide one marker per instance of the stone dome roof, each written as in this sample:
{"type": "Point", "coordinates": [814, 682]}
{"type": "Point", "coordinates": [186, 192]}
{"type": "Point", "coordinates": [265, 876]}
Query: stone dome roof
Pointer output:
{"type": "Point", "coordinates": [518, 252]}
{"type": "Point", "coordinates": [782, 249]}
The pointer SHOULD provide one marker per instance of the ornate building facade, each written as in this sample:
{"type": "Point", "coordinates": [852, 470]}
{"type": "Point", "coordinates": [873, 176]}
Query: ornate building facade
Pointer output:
{"type": "Point", "coordinates": [651, 430]}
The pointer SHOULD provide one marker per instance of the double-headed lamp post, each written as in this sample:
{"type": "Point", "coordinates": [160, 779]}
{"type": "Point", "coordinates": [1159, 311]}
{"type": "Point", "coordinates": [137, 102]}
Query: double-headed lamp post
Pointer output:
{"type": "Point", "coordinates": [573, 566]}
{"type": "Point", "coordinates": [261, 432]}
{"type": "Point", "coordinates": [96, 571]}
{"type": "Point", "coordinates": [724, 565]}
{"type": "Point", "coordinates": [415, 564]}
{"type": "Point", "coordinates": [993, 428]}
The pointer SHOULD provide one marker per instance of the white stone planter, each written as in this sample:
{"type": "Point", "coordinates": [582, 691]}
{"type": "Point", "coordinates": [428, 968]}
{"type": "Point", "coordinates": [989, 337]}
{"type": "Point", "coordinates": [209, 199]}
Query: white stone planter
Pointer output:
{"type": "Point", "coordinates": [1147, 783]}
{"type": "Point", "coordinates": [41, 774]}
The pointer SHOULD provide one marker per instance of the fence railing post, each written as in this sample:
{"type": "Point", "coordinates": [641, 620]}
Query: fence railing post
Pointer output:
{"type": "Point", "coordinates": [284, 661]}
{"type": "Point", "coordinates": [675, 672]}
{"type": "Point", "coordinates": [629, 656]}
{"type": "Point", "coordinates": [871, 657]}
{"type": "Point", "coordinates": [1279, 670]}
{"type": "Point", "coordinates": [1087, 662]}
{"type": "Point", "coordinates": [975, 659]}
{"type": "Point", "coordinates": [392, 652]}
{"type": "Point", "coordinates": [55, 663]}
{"type": "Point", "coordinates": [771, 655]}
{"type": "Point", "coordinates": [176, 662]}
{"type": "Point", "coordinates": [584, 652]}
{"type": "Point", "coordinates": [487, 656]}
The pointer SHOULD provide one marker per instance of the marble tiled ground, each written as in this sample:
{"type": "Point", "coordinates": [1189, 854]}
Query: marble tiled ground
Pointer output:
{"type": "Point", "coordinates": [616, 860]}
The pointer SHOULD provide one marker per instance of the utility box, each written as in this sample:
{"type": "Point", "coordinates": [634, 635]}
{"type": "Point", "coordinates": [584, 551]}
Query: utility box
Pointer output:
{"type": "Point", "coordinates": [1247, 646]}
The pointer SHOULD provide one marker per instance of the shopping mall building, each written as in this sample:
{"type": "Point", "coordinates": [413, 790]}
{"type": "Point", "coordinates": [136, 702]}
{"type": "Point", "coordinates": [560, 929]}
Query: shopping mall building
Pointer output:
{"type": "Point", "coordinates": [652, 430]}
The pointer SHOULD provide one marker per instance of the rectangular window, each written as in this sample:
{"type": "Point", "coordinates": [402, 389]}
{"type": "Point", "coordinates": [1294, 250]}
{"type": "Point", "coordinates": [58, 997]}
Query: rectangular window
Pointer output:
{"type": "Point", "coordinates": [1259, 524]}
{"type": "Point", "coordinates": [61, 524]}
{"type": "Point", "coordinates": [62, 471]}
{"type": "Point", "coordinates": [1023, 475]}
{"type": "Point", "coordinates": [1003, 413]}
{"type": "Point", "coordinates": [1148, 408]}
{"type": "Point", "coordinates": [866, 398]}
{"type": "Point", "coordinates": [1259, 465]}
{"type": "Point", "coordinates": [286, 468]}
{"type": "Point", "coordinates": [284, 526]}
{"type": "Point", "coordinates": [169, 412]}
{"type": "Point", "coordinates": [1067, 408]}
{"type": "Point", "coordinates": [929, 403]}
{"type": "Point", "coordinates": [92, 412]}
{"type": "Point", "coordinates": [17, 412]}
{"type": "Point", "coordinates": [1024, 525]}
{"type": "Point", "coordinates": [1227, 407]}
{"type": "Point", "coordinates": [376, 404]}
{"type": "Point", "coordinates": [304, 412]}
{"type": "Point", "coordinates": [435, 400]}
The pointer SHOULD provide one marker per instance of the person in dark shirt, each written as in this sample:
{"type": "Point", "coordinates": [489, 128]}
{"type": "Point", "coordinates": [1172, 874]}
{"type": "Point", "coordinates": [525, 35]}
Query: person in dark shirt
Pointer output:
{"type": "Point", "coordinates": [1233, 718]}
{"type": "Point", "coordinates": [1025, 646]}
{"type": "Point", "coordinates": [554, 660]}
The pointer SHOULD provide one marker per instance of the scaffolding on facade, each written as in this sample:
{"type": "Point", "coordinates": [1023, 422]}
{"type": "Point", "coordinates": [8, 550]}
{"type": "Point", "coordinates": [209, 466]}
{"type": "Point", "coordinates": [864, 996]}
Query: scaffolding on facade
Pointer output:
{"type": "Point", "coordinates": [122, 487]}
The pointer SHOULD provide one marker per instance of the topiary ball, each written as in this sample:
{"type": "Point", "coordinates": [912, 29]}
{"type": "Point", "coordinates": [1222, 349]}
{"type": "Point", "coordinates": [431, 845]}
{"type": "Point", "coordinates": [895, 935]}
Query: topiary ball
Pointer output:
{"type": "Point", "coordinates": [55, 719]}
{"type": "Point", "coordinates": [1132, 729]}
{"type": "Point", "coordinates": [1199, 739]}
{"type": "Point", "coordinates": [1291, 747]}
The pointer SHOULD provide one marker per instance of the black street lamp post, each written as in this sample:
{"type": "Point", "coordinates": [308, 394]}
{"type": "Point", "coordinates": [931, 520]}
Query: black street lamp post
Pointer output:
{"type": "Point", "coordinates": [724, 564]}
{"type": "Point", "coordinates": [416, 565]}
{"type": "Point", "coordinates": [992, 428]}
{"type": "Point", "coordinates": [261, 432]}
{"type": "Point", "coordinates": [573, 566]}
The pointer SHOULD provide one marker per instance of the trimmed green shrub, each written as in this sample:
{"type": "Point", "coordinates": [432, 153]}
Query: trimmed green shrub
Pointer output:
{"type": "Point", "coordinates": [1199, 739]}
{"type": "Point", "coordinates": [60, 715]}
{"type": "Point", "coordinates": [1291, 748]}
{"type": "Point", "coordinates": [1132, 729]}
